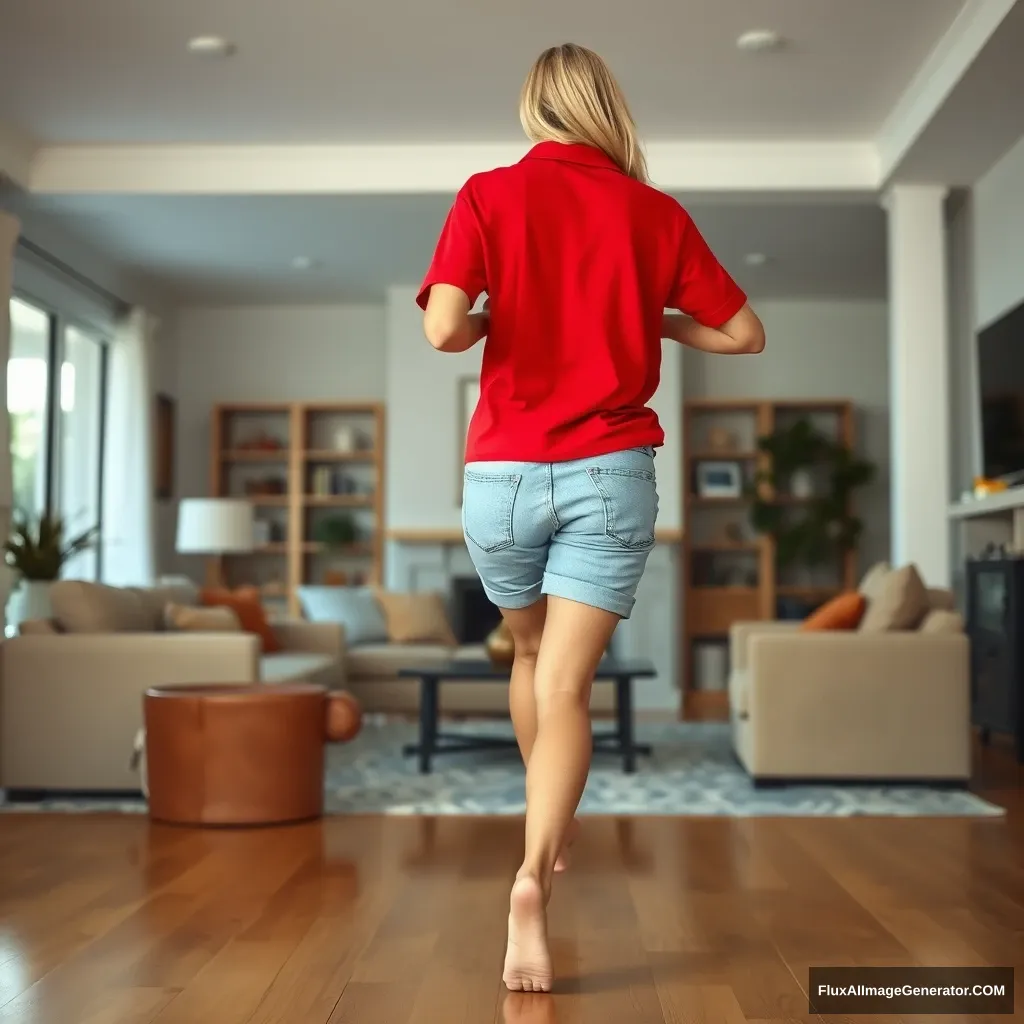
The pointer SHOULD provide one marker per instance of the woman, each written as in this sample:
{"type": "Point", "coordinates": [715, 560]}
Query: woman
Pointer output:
{"type": "Point", "coordinates": [579, 258]}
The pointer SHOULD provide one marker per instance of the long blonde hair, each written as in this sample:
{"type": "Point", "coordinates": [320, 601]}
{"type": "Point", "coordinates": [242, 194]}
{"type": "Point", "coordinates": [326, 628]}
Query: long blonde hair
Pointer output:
{"type": "Point", "coordinates": [571, 96]}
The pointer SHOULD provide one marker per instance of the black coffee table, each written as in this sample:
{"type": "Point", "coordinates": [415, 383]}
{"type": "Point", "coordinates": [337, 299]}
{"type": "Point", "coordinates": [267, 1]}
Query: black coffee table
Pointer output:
{"type": "Point", "coordinates": [433, 741]}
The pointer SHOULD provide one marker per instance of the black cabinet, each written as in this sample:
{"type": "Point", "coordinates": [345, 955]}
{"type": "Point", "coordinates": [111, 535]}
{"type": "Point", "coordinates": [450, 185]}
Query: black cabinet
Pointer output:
{"type": "Point", "coordinates": [995, 624]}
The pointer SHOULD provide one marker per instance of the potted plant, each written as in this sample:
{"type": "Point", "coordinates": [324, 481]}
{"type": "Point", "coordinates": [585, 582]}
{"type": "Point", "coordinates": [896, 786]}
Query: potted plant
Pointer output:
{"type": "Point", "coordinates": [820, 524]}
{"type": "Point", "coordinates": [37, 551]}
{"type": "Point", "coordinates": [337, 532]}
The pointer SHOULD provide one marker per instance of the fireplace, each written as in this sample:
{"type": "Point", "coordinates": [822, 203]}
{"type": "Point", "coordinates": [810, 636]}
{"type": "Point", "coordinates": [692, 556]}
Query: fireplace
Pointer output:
{"type": "Point", "coordinates": [473, 615]}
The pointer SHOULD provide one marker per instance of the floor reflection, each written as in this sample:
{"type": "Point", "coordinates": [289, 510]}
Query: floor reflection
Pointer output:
{"type": "Point", "coordinates": [529, 1008]}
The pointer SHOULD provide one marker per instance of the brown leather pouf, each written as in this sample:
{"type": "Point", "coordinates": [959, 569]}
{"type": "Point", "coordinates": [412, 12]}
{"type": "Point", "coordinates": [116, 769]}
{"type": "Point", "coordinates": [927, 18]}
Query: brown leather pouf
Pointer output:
{"type": "Point", "coordinates": [236, 755]}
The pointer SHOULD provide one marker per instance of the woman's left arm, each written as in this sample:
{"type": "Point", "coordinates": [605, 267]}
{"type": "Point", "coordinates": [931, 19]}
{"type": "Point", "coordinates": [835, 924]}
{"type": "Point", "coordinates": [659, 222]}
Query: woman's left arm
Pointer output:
{"type": "Point", "coordinates": [448, 323]}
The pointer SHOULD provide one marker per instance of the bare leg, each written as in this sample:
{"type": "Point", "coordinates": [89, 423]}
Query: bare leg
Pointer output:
{"type": "Point", "coordinates": [527, 626]}
{"type": "Point", "coordinates": [575, 637]}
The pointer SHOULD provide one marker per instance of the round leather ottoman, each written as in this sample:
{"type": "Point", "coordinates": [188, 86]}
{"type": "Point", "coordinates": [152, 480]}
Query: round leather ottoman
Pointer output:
{"type": "Point", "coordinates": [239, 755]}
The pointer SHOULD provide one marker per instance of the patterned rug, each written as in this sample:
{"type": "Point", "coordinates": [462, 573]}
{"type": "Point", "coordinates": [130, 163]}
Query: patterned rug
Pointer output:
{"type": "Point", "coordinates": [693, 772]}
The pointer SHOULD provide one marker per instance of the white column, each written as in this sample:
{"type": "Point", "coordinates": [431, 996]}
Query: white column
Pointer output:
{"type": "Point", "coordinates": [919, 379]}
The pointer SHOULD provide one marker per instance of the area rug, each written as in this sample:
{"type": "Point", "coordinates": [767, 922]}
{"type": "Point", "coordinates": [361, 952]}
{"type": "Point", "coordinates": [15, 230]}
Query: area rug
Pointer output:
{"type": "Point", "coordinates": [693, 772]}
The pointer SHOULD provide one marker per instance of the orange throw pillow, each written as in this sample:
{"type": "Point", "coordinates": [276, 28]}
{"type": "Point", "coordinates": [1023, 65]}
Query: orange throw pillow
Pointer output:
{"type": "Point", "coordinates": [246, 604]}
{"type": "Point", "coordinates": [842, 612]}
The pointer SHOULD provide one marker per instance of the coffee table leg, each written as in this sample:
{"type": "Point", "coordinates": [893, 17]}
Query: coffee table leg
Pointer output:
{"type": "Point", "coordinates": [624, 712]}
{"type": "Point", "coordinates": [428, 722]}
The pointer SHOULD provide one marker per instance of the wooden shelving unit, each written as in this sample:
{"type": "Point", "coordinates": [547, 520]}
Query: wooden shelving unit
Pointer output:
{"type": "Point", "coordinates": [300, 463]}
{"type": "Point", "coordinates": [729, 573]}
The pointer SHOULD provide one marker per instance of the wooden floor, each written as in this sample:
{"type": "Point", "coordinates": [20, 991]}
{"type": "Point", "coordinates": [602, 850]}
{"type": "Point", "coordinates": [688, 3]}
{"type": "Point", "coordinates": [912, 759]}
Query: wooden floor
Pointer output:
{"type": "Point", "coordinates": [109, 920]}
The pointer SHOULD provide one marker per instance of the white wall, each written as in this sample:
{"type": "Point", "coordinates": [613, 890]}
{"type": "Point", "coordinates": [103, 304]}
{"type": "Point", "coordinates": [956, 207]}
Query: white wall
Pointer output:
{"type": "Point", "coordinates": [998, 238]}
{"type": "Point", "coordinates": [271, 354]}
{"type": "Point", "coordinates": [818, 349]}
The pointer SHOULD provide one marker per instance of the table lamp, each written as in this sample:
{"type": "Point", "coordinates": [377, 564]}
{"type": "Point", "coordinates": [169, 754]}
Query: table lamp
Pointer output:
{"type": "Point", "coordinates": [214, 527]}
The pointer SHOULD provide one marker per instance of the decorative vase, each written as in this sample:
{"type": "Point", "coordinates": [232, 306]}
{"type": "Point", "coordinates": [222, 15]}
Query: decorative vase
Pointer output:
{"type": "Point", "coordinates": [501, 648]}
{"type": "Point", "coordinates": [29, 601]}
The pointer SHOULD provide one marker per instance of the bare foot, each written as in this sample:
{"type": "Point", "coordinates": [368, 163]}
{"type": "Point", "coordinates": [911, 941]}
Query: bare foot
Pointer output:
{"type": "Point", "coordinates": [527, 960]}
{"type": "Point", "coordinates": [565, 857]}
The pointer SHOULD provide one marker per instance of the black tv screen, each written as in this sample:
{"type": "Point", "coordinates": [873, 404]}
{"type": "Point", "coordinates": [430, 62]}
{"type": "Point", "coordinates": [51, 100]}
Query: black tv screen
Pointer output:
{"type": "Point", "coordinates": [1001, 385]}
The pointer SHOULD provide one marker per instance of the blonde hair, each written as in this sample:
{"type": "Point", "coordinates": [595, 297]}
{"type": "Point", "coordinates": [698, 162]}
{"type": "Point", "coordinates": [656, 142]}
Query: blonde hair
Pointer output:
{"type": "Point", "coordinates": [571, 96]}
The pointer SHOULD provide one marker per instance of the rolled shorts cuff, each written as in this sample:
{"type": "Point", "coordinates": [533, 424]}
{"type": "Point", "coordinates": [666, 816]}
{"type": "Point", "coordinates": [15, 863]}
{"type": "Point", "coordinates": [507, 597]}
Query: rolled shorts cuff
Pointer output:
{"type": "Point", "coordinates": [513, 601]}
{"type": "Point", "coordinates": [592, 594]}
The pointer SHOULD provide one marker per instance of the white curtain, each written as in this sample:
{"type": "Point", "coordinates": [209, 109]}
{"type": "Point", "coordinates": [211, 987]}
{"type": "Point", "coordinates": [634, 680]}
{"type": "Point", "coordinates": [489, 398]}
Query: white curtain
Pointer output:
{"type": "Point", "coordinates": [129, 534]}
{"type": "Point", "coordinates": [9, 228]}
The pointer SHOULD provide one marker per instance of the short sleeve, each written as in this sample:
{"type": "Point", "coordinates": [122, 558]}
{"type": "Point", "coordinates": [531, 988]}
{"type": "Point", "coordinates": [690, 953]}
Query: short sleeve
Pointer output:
{"type": "Point", "coordinates": [459, 256]}
{"type": "Point", "coordinates": [703, 288]}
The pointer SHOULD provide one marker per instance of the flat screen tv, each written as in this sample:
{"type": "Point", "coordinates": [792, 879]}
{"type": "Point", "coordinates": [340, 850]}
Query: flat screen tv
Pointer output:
{"type": "Point", "coordinates": [1001, 386]}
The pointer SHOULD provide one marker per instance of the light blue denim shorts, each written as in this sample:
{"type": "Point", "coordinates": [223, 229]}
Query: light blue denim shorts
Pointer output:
{"type": "Point", "coordinates": [580, 530]}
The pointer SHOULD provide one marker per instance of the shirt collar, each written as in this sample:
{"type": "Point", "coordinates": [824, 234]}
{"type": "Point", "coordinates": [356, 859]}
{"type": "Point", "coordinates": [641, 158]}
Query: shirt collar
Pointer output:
{"type": "Point", "coordinates": [572, 153]}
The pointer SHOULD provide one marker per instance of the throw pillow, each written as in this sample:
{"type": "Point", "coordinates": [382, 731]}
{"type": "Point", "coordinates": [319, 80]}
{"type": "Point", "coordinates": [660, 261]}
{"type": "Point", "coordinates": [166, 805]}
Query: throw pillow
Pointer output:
{"type": "Point", "coordinates": [38, 627]}
{"type": "Point", "coordinates": [183, 618]}
{"type": "Point", "coordinates": [80, 607]}
{"type": "Point", "coordinates": [939, 620]}
{"type": "Point", "coordinates": [157, 598]}
{"type": "Point", "coordinates": [874, 578]}
{"type": "Point", "coordinates": [941, 600]}
{"type": "Point", "coordinates": [355, 608]}
{"type": "Point", "coordinates": [246, 604]}
{"type": "Point", "coordinates": [416, 618]}
{"type": "Point", "coordinates": [842, 612]}
{"type": "Point", "coordinates": [901, 604]}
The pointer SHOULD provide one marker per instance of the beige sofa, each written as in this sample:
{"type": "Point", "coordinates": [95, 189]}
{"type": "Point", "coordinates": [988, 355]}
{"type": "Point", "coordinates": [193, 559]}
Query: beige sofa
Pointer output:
{"type": "Point", "coordinates": [71, 702]}
{"type": "Point", "coordinates": [884, 705]}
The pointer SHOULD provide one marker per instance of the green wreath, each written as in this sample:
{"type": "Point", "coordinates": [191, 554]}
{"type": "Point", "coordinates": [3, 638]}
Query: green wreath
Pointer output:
{"type": "Point", "coordinates": [812, 531]}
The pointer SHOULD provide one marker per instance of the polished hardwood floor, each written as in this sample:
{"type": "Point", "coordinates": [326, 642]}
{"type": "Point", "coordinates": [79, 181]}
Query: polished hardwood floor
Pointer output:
{"type": "Point", "coordinates": [111, 920]}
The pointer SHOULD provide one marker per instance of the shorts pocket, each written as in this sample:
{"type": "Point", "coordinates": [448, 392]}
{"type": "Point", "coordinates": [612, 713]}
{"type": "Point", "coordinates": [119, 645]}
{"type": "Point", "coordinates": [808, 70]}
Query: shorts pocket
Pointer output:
{"type": "Point", "coordinates": [630, 499]}
{"type": "Point", "coordinates": [488, 500]}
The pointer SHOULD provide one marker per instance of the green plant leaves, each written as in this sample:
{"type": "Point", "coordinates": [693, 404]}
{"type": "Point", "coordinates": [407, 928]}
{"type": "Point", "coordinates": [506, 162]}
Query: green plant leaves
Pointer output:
{"type": "Point", "coordinates": [36, 550]}
{"type": "Point", "coordinates": [813, 530]}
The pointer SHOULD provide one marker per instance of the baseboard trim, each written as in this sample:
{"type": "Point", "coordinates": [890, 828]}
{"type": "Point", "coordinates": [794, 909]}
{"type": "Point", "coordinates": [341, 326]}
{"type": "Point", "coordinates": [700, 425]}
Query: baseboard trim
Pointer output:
{"type": "Point", "coordinates": [778, 782]}
{"type": "Point", "coordinates": [34, 796]}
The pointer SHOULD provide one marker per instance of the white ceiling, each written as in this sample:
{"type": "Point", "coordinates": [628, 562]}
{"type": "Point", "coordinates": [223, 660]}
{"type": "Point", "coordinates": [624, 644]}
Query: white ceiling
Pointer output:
{"type": "Point", "coordinates": [448, 70]}
{"type": "Point", "coordinates": [239, 249]}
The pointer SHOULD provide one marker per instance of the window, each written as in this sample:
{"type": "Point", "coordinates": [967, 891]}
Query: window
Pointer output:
{"type": "Point", "coordinates": [57, 423]}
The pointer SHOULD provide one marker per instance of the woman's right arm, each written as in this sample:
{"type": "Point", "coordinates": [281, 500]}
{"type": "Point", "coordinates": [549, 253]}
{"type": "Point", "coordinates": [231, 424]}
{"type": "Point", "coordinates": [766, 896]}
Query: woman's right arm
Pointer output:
{"type": "Point", "coordinates": [742, 334]}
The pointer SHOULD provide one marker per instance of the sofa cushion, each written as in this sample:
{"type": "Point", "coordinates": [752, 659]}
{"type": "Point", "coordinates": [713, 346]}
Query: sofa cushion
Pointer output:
{"type": "Point", "coordinates": [355, 608]}
{"type": "Point", "coordinates": [291, 666]}
{"type": "Point", "coordinates": [156, 599]}
{"type": "Point", "coordinates": [416, 618]}
{"type": "Point", "coordinates": [901, 604]}
{"type": "Point", "coordinates": [182, 618]}
{"type": "Point", "coordinates": [871, 585]}
{"type": "Point", "coordinates": [247, 604]}
{"type": "Point", "coordinates": [939, 620]}
{"type": "Point", "coordinates": [80, 607]}
{"type": "Point", "coordinates": [942, 600]}
{"type": "Point", "coordinates": [843, 612]}
{"type": "Point", "coordinates": [383, 661]}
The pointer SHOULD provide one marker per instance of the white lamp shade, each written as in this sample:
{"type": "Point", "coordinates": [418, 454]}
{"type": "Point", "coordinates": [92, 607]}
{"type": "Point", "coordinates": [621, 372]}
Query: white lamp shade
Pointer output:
{"type": "Point", "coordinates": [214, 526]}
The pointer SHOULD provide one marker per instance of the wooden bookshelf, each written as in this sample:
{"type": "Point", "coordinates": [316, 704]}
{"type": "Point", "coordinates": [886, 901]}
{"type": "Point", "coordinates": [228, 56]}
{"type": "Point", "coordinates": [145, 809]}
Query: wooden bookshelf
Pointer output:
{"type": "Point", "coordinates": [299, 464]}
{"type": "Point", "coordinates": [729, 573]}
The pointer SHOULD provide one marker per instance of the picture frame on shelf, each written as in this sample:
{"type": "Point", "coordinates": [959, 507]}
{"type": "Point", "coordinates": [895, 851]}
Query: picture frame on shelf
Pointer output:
{"type": "Point", "coordinates": [468, 396]}
{"type": "Point", "coordinates": [719, 479]}
{"type": "Point", "coordinates": [163, 437]}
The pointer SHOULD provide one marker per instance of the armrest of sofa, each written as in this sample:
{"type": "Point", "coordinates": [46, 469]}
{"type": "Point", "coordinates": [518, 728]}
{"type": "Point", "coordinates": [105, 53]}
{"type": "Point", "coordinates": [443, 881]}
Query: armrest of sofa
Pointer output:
{"type": "Point", "coordinates": [906, 695]}
{"type": "Point", "coordinates": [312, 637]}
{"type": "Point", "coordinates": [741, 632]}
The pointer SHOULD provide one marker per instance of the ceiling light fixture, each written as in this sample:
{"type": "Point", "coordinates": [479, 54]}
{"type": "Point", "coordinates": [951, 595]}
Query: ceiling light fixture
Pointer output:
{"type": "Point", "coordinates": [302, 263]}
{"type": "Point", "coordinates": [755, 259]}
{"type": "Point", "coordinates": [210, 46]}
{"type": "Point", "coordinates": [759, 40]}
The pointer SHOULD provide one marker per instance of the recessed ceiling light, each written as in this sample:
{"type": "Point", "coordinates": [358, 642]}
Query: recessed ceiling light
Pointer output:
{"type": "Point", "coordinates": [211, 46]}
{"type": "Point", "coordinates": [759, 40]}
{"type": "Point", "coordinates": [302, 263]}
{"type": "Point", "coordinates": [755, 259]}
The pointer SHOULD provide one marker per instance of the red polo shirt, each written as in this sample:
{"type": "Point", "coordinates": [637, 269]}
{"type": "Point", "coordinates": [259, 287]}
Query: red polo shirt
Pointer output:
{"type": "Point", "coordinates": [579, 262]}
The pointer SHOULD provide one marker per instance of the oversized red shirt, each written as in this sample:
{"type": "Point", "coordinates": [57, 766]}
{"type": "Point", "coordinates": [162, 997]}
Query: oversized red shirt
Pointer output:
{"type": "Point", "coordinates": [579, 262]}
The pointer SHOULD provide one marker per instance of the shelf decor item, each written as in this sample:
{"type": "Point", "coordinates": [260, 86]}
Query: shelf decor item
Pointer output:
{"type": "Point", "coordinates": [719, 479]}
{"type": "Point", "coordinates": [337, 532]}
{"type": "Point", "coordinates": [822, 524]}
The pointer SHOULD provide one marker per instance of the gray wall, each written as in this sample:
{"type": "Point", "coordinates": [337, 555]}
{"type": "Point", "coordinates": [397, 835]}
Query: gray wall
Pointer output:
{"type": "Point", "coordinates": [818, 349]}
